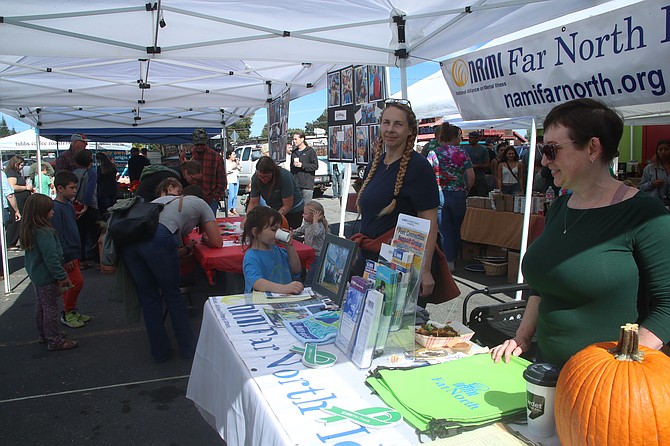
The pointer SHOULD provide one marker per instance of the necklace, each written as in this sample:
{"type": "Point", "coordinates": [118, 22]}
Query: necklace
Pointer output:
{"type": "Point", "coordinates": [565, 219]}
{"type": "Point", "coordinates": [567, 208]}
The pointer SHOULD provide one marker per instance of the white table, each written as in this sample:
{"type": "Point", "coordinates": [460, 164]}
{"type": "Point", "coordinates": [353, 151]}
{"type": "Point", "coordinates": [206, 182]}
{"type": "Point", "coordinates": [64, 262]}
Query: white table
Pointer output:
{"type": "Point", "coordinates": [253, 391]}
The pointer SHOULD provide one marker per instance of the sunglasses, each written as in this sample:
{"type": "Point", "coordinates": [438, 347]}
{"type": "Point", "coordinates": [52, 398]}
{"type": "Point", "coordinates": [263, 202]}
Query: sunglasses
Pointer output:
{"type": "Point", "coordinates": [549, 150]}
{"type": "Point", "coordinates": [398, 101]}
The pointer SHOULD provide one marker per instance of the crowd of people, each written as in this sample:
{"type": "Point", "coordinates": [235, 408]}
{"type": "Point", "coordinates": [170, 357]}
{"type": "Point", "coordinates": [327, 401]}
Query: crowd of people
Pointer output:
{"type": "Point", "coordinates": [59, 226]}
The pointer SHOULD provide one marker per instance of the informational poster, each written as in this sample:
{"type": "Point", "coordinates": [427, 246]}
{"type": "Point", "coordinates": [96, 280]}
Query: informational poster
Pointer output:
{"type": "Point", "coordinates": [617, 57]}
{"type": "Point", "coordinates": [278, 126]}
{"type": "Point", "coordinates": [355, 102]}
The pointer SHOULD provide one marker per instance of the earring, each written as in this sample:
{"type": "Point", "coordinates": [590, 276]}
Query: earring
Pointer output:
{"type": "Point", "coordinates": [593, 160]}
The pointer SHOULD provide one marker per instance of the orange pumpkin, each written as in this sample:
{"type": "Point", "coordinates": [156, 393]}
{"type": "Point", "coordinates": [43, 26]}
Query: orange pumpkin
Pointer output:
{"type": "Point", "coordinates": [614, 394]}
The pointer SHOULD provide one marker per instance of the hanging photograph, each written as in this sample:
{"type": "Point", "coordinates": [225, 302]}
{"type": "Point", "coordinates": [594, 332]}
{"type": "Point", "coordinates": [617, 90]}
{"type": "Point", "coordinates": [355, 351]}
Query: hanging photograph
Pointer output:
{"type": "Point", "coordinates": [347, 148]}
{"type": "Point", "coordinates": [334, 89]}
{"type": "Point", "coordinates": [361, 84]}
{"type": "Point", "coordinates": [368, 113]}
{"type": "Point", "coordinates": [362, 145]}
{"type": "Point", "coordinates": [376, 83]}
{"type": "Point", "coordinates": [333, 143]}
{"type": "Point", "coordinates": [277, 126]}
{"type": "Point", "coordinates": [347, 86]}
{"type": "Point", "coordinates": [374, 139]}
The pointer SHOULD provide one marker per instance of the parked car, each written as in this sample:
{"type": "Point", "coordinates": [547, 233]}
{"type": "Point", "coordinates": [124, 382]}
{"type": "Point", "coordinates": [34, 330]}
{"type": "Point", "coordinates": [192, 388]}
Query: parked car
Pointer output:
{"type": "Point", "coordinates": [249, 155]}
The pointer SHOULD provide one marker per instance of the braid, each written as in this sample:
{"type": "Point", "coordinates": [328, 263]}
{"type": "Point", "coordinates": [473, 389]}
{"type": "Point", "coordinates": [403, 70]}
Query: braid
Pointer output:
{"type": "Point", "coordinates": [400, 178]}
{"type": "Point", "coordinates": [373, 169]}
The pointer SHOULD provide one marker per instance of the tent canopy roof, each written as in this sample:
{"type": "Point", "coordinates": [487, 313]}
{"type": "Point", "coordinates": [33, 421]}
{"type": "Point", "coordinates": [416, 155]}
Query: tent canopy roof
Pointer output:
{"type": "Point", "coordinates": [205, 63]}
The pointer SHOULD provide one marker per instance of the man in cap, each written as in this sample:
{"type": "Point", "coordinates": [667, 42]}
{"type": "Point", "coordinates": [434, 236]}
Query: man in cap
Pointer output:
{"type": "Point", "coordinates": [480, 162]}
{"type": "Point", "coordinates": [213, 181]}
{"type": "Point", "coordinates": [65, 160]}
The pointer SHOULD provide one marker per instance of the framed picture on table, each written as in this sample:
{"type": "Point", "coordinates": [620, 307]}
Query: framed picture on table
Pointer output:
{"type": "Point", "coordinates": [332, 272]}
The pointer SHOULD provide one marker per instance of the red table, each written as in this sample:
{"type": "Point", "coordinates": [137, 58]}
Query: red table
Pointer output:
{"type": "Point", "coordinates": [229, 258]}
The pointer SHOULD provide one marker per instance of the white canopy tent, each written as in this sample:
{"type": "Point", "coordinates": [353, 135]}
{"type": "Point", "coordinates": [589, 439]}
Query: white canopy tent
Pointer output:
{"type": "Point", "coordinates": [26, 140]}
{"type": "Point", "coordinates": [187, 63]}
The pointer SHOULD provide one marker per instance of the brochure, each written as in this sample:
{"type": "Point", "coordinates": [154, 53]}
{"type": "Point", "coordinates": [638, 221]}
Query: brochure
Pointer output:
{"type": "Point", "coordinates": [386, 283]}
{"type": "Point", "coordinates": [364, 346]}
{"type": "Point", "coordinates": [352, 310]}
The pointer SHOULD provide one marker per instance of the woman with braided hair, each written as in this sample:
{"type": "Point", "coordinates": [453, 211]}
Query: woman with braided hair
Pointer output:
{"type": "Point", "coordinates": [400, 180]}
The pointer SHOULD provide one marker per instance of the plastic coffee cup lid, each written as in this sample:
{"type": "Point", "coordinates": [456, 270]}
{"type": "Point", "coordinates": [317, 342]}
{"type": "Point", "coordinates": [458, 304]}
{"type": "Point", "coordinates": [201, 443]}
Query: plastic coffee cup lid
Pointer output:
{"type": "Point", "coordinates": [541, 374]}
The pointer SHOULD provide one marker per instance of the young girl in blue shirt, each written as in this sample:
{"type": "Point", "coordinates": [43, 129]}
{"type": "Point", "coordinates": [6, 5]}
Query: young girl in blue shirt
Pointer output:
{"type": "Point", "coordinates": [267, 267]}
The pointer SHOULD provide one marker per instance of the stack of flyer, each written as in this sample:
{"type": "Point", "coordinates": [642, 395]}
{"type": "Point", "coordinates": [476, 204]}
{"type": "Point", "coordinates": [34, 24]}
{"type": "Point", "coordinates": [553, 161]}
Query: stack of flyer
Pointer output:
{"type": "Point", "coordinates": [378, 313]}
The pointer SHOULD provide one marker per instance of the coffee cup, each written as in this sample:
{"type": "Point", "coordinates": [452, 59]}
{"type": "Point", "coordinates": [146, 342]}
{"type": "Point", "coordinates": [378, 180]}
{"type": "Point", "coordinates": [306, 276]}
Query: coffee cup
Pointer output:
{"type": "Point", "coordinates": [540, 389]}
{"type": "Point", "coordinates": [282, 235]}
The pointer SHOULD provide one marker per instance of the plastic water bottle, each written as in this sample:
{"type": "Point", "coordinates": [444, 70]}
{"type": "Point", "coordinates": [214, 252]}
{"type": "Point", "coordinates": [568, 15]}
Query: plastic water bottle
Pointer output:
{"type": "Point", "coordinates": [550, 194]}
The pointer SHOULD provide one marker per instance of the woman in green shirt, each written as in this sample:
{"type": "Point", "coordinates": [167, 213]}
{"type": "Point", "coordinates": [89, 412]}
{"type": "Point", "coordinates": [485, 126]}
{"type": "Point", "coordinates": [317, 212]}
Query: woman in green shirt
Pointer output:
{"type": "Point", "coordinates": [602, 260]}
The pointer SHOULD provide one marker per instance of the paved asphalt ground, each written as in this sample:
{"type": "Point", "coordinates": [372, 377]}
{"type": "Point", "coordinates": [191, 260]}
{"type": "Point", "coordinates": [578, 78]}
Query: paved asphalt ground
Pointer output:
{"type": "Point", "coordinates": [108, 391]}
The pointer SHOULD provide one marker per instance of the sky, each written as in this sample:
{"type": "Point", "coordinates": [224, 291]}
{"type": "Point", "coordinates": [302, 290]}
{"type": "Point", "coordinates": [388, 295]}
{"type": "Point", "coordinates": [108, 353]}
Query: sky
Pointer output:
{"type": "Point", "coordinates": [307, 108]}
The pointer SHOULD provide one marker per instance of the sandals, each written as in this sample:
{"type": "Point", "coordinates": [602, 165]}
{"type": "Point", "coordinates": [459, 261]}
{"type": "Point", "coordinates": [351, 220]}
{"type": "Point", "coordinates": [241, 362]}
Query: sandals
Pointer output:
{"type": "Point", "coordinates": [65, 345]}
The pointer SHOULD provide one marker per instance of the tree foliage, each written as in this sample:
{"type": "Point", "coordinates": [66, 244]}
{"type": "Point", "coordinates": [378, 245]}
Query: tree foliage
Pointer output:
{"type": "Point", "coordinates": [242, 127]}
{"type": "Point", "coordinates": [4, 130]}
{"type": "Point", "coordinates": [320, 123]}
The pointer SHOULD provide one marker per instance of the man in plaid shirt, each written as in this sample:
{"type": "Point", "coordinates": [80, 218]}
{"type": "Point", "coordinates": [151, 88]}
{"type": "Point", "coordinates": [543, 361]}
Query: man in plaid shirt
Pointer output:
{"type": "Point", "coordinates": [65, 160]}
{"type": "Point", "coordinates": [213, 181]}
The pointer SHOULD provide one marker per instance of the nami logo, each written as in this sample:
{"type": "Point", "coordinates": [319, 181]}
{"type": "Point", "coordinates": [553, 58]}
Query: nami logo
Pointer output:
{"type": "Point", "coordinates": [459, 72]}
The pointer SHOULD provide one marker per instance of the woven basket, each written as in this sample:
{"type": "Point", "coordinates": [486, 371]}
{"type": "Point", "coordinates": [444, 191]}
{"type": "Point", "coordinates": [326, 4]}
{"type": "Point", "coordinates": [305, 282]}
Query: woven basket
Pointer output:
{"type": "Point", "coordinates": [494, 269]}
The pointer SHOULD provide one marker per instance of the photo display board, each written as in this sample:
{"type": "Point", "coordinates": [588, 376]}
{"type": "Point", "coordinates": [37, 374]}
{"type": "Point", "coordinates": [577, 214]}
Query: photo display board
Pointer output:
{"type": "Point", "coordinates": [278, 126]}
{"type": "Point", "coordinates": [356, 97]}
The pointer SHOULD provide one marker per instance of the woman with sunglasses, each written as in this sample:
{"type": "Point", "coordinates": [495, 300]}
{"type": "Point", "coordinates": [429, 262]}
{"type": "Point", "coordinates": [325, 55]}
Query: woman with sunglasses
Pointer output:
{"type": "Point", "coordinates": [279, 190]}
{"type": "Point", "coordinates": [602, 260]}
{"type": "Point", "coordinates": [400, 180]}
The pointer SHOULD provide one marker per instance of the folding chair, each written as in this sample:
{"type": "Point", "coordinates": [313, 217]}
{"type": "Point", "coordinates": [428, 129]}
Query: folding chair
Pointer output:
{"type": "Point", "coordinates": [494, 324]}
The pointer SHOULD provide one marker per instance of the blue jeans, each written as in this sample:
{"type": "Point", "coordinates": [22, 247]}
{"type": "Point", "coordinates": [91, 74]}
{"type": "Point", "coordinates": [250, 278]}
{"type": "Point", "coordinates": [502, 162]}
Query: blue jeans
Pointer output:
{"type": "Point", "coordinates": [232, 195]}
{"type": "Point", "coordinates": [453, 213]}
{"type": "Point", "coordinates": [154, 266]}
{"type": "Point", "coordinates": [214, 204]}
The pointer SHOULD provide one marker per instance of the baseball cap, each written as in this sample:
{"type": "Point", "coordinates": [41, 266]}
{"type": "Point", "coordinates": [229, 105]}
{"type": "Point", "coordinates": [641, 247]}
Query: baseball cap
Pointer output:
{"type": "Point", "coordinates": [78, 137]}
{"type": "Point", "coordinates": [474, 135]}
{"type": "Point", "coordinates": [200, 136]}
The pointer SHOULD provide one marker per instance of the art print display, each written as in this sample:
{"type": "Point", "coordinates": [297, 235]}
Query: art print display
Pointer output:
{"type": "Point", "coordinates": [334, 89]}
{"type": "Point", "coordinates": [355, 96]}
{"type": "Point", "coordinates": [346, 77]}
{"type": "Point", "coordinates": [361, 84]}
{"type": "Point", "coordinates": [278, 126]}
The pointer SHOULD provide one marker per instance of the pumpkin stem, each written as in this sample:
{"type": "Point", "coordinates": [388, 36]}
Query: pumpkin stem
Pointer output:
{"type": "Point", "coordinates": [628, 347]}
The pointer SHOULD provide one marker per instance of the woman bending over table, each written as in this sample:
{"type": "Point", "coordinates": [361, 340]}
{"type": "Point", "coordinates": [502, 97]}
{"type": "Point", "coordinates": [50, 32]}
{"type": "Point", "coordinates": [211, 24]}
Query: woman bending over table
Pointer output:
{"type": "Point", "coordinates": [154, 266]}
{"type": "Point", "coordinates": [602, 260]}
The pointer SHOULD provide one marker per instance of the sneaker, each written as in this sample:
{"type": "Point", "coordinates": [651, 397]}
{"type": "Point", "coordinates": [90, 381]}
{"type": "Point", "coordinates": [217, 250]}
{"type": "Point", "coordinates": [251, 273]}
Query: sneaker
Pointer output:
{"type": "Point", "coordinates": [81, 317]}
{"type": "Point", "coordinates": [43, 340]}
{"type": "Point", "coordinates": [65, 345]}
{"type": "Point", "coordinates": [71, 320]}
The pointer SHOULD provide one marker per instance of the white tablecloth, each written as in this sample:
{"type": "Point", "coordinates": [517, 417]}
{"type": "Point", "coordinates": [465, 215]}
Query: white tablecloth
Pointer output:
{"type": "Point", "coordinates": [253, 391]}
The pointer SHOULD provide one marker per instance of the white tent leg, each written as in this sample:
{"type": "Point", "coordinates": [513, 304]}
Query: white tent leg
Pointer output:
{"type": "Point", "coordinates": [529, 200]}
{"type": "Point", "coordinates": [346, 182]}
